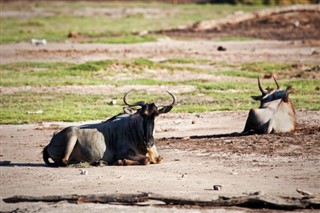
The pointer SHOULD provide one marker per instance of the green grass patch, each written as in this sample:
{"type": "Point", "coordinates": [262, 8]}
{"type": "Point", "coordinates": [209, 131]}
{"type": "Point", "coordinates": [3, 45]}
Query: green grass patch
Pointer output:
{"type": "Point", "coordinates": [266, 67]}
{"type": "Point", "coordinates": [186, 61]}
{"type": "Point", "coordinates": [22, 107]}
{"type": "Point", "coordinates": [237, 39]}
{"type": "Point", "coordinates": [125, 39]}
{"type": "Point", "coordinates": [237, 73]}
{"type": "Point", "coordinates": [58, 19]}
{"type": "Point", "coordinates": [60, 74]}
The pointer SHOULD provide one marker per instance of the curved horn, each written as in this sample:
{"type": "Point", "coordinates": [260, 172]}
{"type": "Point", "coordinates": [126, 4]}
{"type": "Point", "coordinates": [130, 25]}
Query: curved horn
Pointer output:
{"type": "Point", "coordinates": [275, 80]}
{"type": "Point", "coordinates": [263, 91]}
{"type": "Point", "coordinates": [139, 103]}
{"type": "Point", "coordinates": [174, 100]}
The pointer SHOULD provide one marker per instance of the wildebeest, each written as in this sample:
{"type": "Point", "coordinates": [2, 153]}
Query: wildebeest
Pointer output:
{"type": "Point", "coordinates": [125, 139]}
{"type": "Point", "coordinates": [276, 113]}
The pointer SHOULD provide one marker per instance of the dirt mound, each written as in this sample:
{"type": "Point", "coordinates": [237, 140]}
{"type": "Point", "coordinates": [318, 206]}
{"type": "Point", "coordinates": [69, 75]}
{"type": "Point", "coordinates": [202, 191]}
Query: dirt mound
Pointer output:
{"type": "Point", "coordinates": [291, 23]}
{"type": "Point", "coordinates": [302, 141]}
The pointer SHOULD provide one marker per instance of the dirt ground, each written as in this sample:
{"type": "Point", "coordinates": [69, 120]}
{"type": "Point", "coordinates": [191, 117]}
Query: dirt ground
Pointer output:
{"type": "Point", "coordinates": [199, 149]}
{"type": "Point", "coordinates": [289, 23]}
{"type": "Point", "coordinates": [198, 152]}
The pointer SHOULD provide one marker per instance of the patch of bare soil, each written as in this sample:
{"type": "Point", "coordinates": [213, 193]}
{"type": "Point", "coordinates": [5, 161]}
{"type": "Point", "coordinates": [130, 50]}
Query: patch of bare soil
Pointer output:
{"type": "Point", "coordinates": [292, 23]}
{"type": "Point", "coordinates": [199, 150]}
{"type": "Point", "coordinates": [99, 89]}
{"type": "Point", "coordinates": [237, 52]}
{"type": "Point", "coordinates": [296, 144]}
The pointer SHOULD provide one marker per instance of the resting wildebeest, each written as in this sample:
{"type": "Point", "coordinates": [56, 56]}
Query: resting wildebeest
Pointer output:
{"type": "Point", "coordinates": [275, 114]}
{"type": "Point", "coordinates": [125, 139]}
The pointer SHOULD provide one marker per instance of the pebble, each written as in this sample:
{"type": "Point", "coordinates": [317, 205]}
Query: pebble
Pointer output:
{"type": "Point", "coordinates": [35, 41]}
{"type": "Point", "coordinates": [257, 193]}
{"type": "Point", "coordinates": [221, 48]}
{"type": "Point", "coordinates": [217, 187]}
{"type": "Point", "coordinates": [83, 172]}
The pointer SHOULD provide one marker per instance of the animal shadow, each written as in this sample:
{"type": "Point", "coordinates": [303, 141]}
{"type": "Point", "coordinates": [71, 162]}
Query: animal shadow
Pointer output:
{"type": "Point", "coordinates": [7, 163]}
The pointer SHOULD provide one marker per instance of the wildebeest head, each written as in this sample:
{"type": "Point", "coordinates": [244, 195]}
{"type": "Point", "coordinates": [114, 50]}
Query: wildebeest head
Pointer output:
{"type": "Point", "coordinates": [148, 113]}
{"type": "Point", "coordinates": [269, 96]}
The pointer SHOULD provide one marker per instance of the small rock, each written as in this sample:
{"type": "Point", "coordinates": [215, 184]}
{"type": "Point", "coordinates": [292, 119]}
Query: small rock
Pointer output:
{"type": "Point", "coordinates": [113, 102]}
{"type": "Point", "coordinates": [315, 52]}
{"type": "Point", "coordinates": [193, 122]}
{"type": "Point", "coordinates": [221, 48]}
{"type": "Point", "coordinates": [35, 41]}
{"type": "Point", "coordinates": [256, 193]}
{"type": "Point", "coordinates": [73, 34]}
{"type": "Point", "coordinates": [217, 187]}
{"type": "Point", "coordinates": [83, 172]}
{"type": "Point", "coordinates": [296, 23]}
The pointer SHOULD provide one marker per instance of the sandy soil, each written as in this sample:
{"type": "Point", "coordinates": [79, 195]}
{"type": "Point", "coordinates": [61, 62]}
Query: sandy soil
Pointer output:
{"type": "Point", "coordinates": [199, 150]}
{"type": "Point", "coordinates": [297, 22]}
{"type": "Point", "coordinates": [237, 52]}
{"type": "Point", "coordinates": [274, 165]}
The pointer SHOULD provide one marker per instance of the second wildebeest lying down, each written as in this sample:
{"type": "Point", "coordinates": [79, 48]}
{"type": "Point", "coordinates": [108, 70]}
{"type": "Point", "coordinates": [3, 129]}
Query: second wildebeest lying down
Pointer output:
{"type": "Point", "coordinates": [125, 139]}
{"type": "Point", "coordinates": [275, 114]}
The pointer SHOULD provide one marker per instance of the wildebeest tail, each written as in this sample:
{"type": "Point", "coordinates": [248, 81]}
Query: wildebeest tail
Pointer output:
{"type": "Point", "coordinates": [46, 156]}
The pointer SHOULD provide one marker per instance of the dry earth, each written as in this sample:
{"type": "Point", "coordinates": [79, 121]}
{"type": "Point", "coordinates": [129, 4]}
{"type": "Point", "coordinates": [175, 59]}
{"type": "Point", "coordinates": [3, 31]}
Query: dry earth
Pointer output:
{"type": "Point", "coordinates": [274, 165]}
{"type": "Point", "coordinates": [237, 52]}
{"type": "Point", "coordinates": [297, 22]}
{"type": "Point", "coordinates": [198, 149]}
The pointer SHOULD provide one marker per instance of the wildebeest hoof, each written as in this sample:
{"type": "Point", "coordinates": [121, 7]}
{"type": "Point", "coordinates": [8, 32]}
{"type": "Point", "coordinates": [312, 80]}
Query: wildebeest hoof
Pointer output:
{"type": "Point", "coordinates": [144, 161]}
{"type": "Point", "coordinates": [159, 159]}
{"type": "Point", "coordinates": [65, 161]}
{"type": "Point", "coordinates": [120, 162]}
{"type": "Point", "coordinates": [156, 160]}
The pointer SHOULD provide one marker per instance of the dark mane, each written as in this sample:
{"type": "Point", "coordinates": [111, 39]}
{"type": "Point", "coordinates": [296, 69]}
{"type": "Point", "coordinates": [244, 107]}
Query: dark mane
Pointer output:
{"type": "Point", "coordinates": [112, 118]}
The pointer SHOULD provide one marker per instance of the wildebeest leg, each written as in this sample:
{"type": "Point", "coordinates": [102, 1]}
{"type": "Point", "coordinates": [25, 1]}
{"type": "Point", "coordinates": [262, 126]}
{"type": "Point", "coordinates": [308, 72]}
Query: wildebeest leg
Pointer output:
{"type": "Point", "coordinates": [153, 155]}
{"type": "Point", "coordinates": [266, 128]}
{"type": "Point", "coordinates": [69, 148]}
{"type": "Point", "coordinates": [269, 127]}
{"type": "Point", "coordinates": [143, 160]}
{"type": "Point", "coordinates": [249, 123]}
{"type": "Point", "coordinates": [132, 159]}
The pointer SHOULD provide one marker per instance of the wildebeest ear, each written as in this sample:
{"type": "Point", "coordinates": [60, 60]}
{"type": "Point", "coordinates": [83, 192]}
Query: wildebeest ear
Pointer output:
{"type": "Point", "coordinates": [256, 98]}
{"type": "Point", "coordinates": [128, 110]}
{"type": "Point", "coordinates": [165, 109]}
{"type": "Point", "coordinates": [289, 90]}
